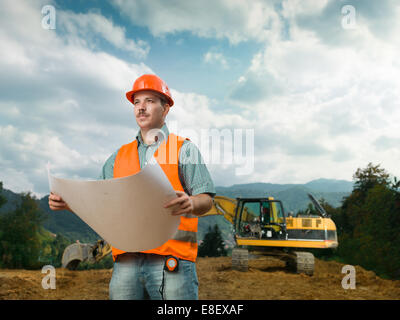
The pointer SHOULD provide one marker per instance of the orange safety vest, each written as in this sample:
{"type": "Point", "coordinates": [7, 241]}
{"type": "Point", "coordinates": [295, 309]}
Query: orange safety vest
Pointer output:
{"type": "Point", "coordinates": [184, 243]}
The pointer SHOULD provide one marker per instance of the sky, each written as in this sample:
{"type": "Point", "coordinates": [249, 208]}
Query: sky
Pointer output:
{"type": "Point", "coordinates": [270, 91]}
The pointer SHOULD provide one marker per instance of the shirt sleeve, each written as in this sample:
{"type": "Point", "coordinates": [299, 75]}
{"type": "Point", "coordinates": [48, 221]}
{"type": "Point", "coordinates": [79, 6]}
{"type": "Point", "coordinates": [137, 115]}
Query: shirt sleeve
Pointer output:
{"type": "Point", "coordinates": [107, 171]}
{"type": "Point", "coordinates": [193, 172]}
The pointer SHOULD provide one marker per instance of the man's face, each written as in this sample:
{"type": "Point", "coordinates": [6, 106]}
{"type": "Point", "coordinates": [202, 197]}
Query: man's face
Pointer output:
{"type": "Point", "coordinates": [149, 112]}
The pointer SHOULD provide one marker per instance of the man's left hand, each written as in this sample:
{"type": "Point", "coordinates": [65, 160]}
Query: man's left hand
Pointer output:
{"type": "Point", "coordinates": [184, 201]}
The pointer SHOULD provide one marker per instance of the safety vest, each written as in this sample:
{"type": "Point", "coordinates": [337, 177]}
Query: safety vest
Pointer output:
{"type": "Point", "coordinates": [184, 243]}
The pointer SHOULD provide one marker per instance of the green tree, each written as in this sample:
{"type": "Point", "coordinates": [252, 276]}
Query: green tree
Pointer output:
{"type": "Point", "coordinates": [213, 244]}
{"type": "Point", "coordinates": [378, 232]}
{"type": "Point", "coordinates": [19, 238]}
{"type": "Point", "coordinates": [52, 249]}
{"type": "Point", "coordinates": [352, 206]}
{"type": "Point", "coordinates": [369, 223]}
{"type": "Point", "coordinates": [59, 245]}
{"type": "Point", "coordinates": [367, 178]}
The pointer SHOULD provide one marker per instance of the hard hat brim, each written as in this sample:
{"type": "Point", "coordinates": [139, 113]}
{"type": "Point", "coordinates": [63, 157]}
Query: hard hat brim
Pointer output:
{"type": "Point", "coordinates": [130, 94]}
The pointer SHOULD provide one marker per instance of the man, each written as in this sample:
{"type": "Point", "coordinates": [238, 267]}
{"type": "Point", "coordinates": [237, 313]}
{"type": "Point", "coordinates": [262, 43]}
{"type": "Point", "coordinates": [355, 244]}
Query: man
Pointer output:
{"type": "Point", "coordinates": [167, 272]}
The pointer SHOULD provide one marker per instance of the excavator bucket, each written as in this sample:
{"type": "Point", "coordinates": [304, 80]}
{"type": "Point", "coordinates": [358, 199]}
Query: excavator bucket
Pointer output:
{"type": "Point", "coordinates": [75, 254]}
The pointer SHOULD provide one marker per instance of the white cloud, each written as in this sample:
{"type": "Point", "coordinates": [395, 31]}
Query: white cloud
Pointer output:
{"type": "Point", "coordinates": [87, 25]}
{"type": "Point", "coordinates": [322, 108]}
{"type": "Point", "coordinates": [17, 181]}
{"type": "Point", "coordinates": [292, 8]}
{"type": "Point", "coordinates": [216, 58]}
{"type": "Point", "coordinates": [235, 20]}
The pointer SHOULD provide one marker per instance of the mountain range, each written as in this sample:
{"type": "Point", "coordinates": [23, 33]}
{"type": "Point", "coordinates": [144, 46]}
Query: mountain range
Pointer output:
{"type": "Point", "coordinates": [293, 196]}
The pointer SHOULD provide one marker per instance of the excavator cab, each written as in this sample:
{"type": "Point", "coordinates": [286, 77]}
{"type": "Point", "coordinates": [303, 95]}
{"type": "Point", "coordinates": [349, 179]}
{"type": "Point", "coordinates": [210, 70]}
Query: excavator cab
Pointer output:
{"type": "Point", "coordinates": [260, 219]}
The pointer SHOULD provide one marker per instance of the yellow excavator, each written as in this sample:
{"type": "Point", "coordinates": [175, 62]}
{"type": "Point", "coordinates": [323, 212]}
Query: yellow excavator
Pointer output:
{"type": "Point", "coordinates": [260, 225]}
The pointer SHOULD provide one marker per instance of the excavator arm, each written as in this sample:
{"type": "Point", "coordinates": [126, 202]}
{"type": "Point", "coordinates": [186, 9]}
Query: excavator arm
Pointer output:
{"type": "Point", "coordinates": [223, 206]}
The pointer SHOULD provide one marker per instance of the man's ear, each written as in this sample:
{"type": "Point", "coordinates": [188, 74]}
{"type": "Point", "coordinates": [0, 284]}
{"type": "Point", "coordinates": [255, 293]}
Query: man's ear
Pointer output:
{"type": "Point", "coordinates": [166, 109]}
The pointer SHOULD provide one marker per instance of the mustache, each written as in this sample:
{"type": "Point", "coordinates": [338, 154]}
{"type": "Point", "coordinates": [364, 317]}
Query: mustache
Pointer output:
{"type": "Point", "coordinates": [142, 113]}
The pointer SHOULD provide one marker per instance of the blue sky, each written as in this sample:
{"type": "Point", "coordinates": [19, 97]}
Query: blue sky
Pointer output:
{"type": "Point", "coordinates": [320, 92]}
{"type": "Point", "coordinates": [176, 56]}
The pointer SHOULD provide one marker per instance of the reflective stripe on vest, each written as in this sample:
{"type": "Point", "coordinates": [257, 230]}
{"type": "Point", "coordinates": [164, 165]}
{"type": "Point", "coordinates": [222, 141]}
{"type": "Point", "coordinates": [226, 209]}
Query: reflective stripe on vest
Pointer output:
{"type": "Point", "coordinates": [188, 236]}
{"type": "Point", "coordinates": [184, 243]}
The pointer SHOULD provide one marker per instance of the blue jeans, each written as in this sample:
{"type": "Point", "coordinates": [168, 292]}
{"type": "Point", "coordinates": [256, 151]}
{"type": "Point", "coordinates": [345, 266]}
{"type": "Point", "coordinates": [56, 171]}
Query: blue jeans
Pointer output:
{"type": "Point", "coordinates": [138, 276]}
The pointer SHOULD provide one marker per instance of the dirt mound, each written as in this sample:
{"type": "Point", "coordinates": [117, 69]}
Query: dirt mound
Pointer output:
{"type": "Point", "coordinates": [70, 285]}
{"type": "Point", "coordinates": [266, 279]}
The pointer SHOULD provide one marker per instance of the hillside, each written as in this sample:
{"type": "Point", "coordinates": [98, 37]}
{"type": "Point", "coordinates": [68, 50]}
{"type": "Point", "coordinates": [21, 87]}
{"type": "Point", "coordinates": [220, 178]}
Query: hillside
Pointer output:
{"type": "Point", "coordinates": [267, 279]}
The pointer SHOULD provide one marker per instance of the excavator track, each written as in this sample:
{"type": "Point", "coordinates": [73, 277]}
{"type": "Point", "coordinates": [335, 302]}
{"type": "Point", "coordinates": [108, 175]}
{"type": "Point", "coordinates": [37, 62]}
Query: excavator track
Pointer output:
{"type": "Point", "coordinates": [298, 261]}
{"type": "Point", "coordinates": [240, 259]}
{"type": "Point", "coordinates": [301, 262]}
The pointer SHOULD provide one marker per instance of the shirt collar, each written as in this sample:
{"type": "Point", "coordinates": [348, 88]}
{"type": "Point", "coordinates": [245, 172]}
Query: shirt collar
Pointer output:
{"type": "Point", "coordinates": [164, 130]}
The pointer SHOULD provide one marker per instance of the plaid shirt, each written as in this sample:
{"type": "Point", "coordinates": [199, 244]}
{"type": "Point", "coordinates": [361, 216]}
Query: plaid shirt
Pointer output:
{"type": "Point", "coordinates": [193, 173]}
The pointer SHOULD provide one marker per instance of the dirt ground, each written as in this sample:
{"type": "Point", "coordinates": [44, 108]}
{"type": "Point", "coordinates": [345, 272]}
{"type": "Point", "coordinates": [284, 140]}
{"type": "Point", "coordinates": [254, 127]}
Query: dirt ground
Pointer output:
{"type": "Point", "coordinates": [266, 279]}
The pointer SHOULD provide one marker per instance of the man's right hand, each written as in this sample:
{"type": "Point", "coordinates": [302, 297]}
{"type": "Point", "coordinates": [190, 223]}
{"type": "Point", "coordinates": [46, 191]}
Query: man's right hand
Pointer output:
{"type": "Point", "coordinates": [56, 203]}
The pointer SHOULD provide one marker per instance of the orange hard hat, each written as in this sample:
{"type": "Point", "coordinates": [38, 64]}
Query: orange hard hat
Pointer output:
{"type": "Point", "coordinates": [153, 83]}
